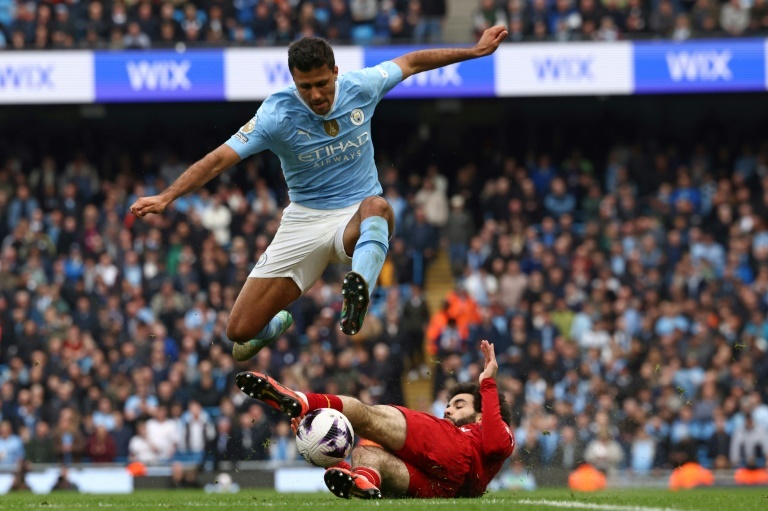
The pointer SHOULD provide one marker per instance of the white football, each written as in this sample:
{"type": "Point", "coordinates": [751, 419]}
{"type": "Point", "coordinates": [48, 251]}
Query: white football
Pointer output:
{"type": "Point", "coordinates": [325, 437]}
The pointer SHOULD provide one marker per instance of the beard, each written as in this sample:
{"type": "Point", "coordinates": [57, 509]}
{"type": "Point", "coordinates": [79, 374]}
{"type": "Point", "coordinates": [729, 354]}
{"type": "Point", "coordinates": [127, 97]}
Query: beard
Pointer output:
{"type": "Point", "coordinates": [464, 421]}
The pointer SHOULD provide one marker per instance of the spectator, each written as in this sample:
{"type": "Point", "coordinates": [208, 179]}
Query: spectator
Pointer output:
{"type": "Point", "coordinates": [141, 404]}
{"type": "Point", "coordinates": [250, 441]}
{"type": "Point", "coordinates": [434, 203]}
{"type": "Point", "coordinates": [487, 15]}
{"type": "Point", "coordinates": [570, 450]}
{"type": "Point", "coordinates": [136, 39]}
{"type": "Point", "coordinates": [197, 429]}
{"type": "Point", "coordinates": [122, 435]}
{"type": "Point", "coordinates": [162, 434]}
{"type": "Point", "coordinates": [40, 448]}
{"type": "Point", "coordinates": [758, 17]}
{"type": "Point", "coordinates": [682, 29]}
{"type": "Point", "coordinates": [101, 446]}
{"type": "Point", "coordinates": [719, 444]}
{"type": "Point", "coordinates": [434, 13]}
{"type": "Point", "coordinates": [21, 207]}
{"type": "Point", "coordinates": [604, 452]}
{"type": "Point", "coordinates": [141, 448]}
{"type": "Point", "coordinates": [68, 441]}
{"type": "Point", "coordinates": [748, 443]}
{"type": "Point", "coordinates": [662, 19]}
{"type": "Point", "coordinates": [734, 18]}
{"type": "Point", "coordinates": [559, 202]}
{"type": "Point", "coordinates": [96, 24]}
{"type": "Point", "coordinates": [11, 446]}
{"type": "Point", "coordinates": [282, 445]}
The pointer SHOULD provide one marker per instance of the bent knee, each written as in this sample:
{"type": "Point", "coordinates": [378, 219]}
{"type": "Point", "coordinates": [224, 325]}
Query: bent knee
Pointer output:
{"type": "Point", "coordinates": [376, 206]}
{"type": "Point", "coordinates": [240, 332]}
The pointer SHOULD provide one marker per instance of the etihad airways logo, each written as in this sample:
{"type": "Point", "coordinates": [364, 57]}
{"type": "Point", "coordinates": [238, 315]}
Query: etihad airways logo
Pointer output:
{"type": "Point", "coordinates": [344, 150]}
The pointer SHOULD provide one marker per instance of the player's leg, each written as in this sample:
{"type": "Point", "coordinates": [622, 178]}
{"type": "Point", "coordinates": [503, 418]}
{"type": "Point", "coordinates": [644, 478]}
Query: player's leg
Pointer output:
{"type": "Point", "coordinates": [366, 237]}
{"type": "Point", "coordinates": [258, 318]}
{"type": "Point", "coordinates": [382, 424]}
{"type": "Point", "coordinates": [392, 472]}
{"type": "Point", "coordinates": [374, 471]}
{"type": "Point", "coordinates": [297, 256]}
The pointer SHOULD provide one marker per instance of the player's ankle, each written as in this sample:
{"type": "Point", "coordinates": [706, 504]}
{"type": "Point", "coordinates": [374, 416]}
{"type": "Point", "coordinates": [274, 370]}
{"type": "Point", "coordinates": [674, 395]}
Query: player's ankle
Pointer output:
{"type": "Point", "coordinates": [370, 474]}
{"type": "Point", "coordinates": [316, 401]}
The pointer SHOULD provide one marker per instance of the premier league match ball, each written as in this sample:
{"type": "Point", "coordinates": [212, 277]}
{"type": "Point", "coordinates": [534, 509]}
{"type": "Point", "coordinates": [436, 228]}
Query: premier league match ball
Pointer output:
{"type": "Point", "coordinates": [325, 437]}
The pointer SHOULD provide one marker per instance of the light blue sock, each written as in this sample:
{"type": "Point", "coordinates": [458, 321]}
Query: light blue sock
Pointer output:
{"type": "Point", "coordinates": [269, 331]}
{"type": "Point", "coordinates": [371, 249]}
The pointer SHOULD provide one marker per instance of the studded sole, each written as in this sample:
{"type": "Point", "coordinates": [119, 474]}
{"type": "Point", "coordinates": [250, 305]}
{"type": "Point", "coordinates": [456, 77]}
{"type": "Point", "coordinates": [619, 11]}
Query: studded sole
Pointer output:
{"type": "Point", "coordinates": [261, 388]}
{"type": "Point", "coordinates": [343, 486]}
{"type": "Point", "coordinates": [354, 291]}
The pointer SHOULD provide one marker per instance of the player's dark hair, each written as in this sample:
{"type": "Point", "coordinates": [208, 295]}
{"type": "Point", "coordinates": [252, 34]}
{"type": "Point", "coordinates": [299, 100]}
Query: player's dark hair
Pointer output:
{"type": "Point", "coordinates": [310, 53]}
{"type": "Point", "coordinates": [474, 389]}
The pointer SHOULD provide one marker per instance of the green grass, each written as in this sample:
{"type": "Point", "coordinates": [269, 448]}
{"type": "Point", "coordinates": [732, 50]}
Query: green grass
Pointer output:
{"type": "Point", "coordinates": [738, 499]}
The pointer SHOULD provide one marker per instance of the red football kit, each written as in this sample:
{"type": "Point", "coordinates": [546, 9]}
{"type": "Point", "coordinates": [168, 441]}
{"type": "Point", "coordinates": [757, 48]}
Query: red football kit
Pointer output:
{"type": "Point", "coordinates": [444, 460]}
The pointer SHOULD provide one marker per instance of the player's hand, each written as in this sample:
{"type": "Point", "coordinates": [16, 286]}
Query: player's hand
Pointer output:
{"type": "Point", "coordinates": [147, 205]}
{"type": "Point", "coordinates": [295, 425]}
{"type": "Point", "coordinates": [491, 367]}
{"type": "Point", "coordinates": [490, 40]}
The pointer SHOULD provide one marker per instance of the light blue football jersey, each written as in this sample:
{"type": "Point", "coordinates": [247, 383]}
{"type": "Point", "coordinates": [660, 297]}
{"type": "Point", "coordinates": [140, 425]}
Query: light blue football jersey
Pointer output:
{"type": "Point", "coordinates": [327, 160]}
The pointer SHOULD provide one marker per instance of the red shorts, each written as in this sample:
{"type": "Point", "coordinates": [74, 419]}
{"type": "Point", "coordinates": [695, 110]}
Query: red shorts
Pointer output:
{"type": "Point", "coordinates": [436, 454]}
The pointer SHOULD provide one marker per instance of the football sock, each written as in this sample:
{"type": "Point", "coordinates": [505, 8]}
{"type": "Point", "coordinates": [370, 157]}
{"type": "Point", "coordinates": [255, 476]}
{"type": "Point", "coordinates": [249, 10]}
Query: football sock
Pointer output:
{"type": "Point", "coordinates": [315, 401]}
{"type": "Point", "coordinates": [371, 474]}
{"type": "Point", "coordinates": [371, 250]}
{"type": "Point", "coordinates": [268, 332]}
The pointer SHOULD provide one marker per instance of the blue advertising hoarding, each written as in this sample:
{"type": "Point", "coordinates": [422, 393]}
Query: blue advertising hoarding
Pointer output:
{"type": "Point", "coordinates": [699, 66]}
{"type": "Point", "coordinates": [516, 70]}
{"type": "Point", "coordinates": [473, 78]}
{"type": "Point", "coordinates": [195, 75]}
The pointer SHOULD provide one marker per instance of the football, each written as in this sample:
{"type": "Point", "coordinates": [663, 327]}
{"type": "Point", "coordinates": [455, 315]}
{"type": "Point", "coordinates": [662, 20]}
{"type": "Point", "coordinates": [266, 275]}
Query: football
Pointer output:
{"type": "Point", "coordinates": [325, 437]}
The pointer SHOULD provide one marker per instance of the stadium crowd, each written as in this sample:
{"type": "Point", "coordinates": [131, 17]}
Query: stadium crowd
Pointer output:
{"type": "Point", "coordinates": [626, 298]}
{"type": "Point", "coordinates": [142, 24]}
{"type": "Point", "coordinates": [139, 24]}
{"type": "Point", "coordinates": [611, 20]}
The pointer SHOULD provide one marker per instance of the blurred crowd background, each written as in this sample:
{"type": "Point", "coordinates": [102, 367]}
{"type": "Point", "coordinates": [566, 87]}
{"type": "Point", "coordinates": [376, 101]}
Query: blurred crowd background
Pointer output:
{"type": "Point", "coordinates": [138, 24]}
{"type": "Point", "coordinates": [625, 293]}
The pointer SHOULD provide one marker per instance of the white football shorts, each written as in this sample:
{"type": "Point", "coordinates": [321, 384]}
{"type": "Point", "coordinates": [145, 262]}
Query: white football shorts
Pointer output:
{"type": "Point", "coordinates": [307, 241]}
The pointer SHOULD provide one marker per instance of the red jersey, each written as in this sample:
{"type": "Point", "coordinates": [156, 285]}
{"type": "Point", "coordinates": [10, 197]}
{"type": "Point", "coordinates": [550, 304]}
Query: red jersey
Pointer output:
{"type": "Point", "coordinates": [448, 461]}
{"type": "Point", "coordinates": [492, 442]}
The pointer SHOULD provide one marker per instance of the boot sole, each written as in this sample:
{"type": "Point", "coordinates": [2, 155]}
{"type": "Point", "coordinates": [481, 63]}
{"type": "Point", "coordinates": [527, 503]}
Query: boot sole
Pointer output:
{"type": "Point", "coordinates": [343, 486]}
{"type": "Point", "coordinates": [354, 291]}
{"type": "Point", "coordinates": [261, 388]}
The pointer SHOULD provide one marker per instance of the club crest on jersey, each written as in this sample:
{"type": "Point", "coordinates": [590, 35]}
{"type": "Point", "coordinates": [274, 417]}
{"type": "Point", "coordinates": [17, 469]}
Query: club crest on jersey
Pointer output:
{"type": "Point", "coordinates": [249, 126]}
{"type": "Point", "coordinates": [331, 127]}
{"type": "Point", "coordinates": [262, 260]}
{"type": "Point", "coordinates": [357, 117]}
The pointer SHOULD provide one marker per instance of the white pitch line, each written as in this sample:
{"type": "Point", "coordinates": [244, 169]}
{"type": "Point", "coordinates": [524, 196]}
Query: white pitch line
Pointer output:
{"type": "Point", "coordinates": [586, 505]}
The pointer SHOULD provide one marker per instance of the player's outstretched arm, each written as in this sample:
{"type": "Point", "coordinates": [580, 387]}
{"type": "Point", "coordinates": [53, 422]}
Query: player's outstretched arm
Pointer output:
{"type": "Point", "coordinates": [199, 173]}
{"type": "Point", "coordinates": [490, 366]}
{"type": "Point", "coordinates": [425, 60]}
{"type": "Point", "coordinates": [497, 438]}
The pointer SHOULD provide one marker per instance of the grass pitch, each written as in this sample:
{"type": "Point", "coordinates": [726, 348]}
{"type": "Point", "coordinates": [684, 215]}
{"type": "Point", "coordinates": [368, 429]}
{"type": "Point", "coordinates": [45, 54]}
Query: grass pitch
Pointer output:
{"type": "Point", "coordinates": [737, 499]}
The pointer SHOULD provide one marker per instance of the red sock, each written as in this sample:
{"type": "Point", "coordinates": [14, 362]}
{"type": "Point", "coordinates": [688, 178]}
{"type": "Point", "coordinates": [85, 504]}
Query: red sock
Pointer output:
{"type": "Point", "coordinates": [315, 401]}
{"type": "Point", "coordinates": [372, 475]}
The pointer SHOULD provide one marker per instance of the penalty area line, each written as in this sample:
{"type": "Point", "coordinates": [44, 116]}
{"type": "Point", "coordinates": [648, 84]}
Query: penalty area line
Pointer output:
{"type": "Point", "coordinates": [587, 505]}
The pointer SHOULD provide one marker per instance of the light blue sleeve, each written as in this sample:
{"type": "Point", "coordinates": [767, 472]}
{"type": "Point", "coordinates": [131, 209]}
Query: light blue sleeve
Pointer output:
{"type": "Point", "coordinates": [379, 79]}
{"type": "Point", "coordinates": [253, 137]}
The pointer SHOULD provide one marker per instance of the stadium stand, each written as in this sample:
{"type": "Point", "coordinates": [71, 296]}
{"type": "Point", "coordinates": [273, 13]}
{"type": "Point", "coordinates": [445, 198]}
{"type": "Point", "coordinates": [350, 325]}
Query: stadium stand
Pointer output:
{"type": "Point", "coordinates": [129, 24]}
{"type": "Point", "coordinates": [624, 293]}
